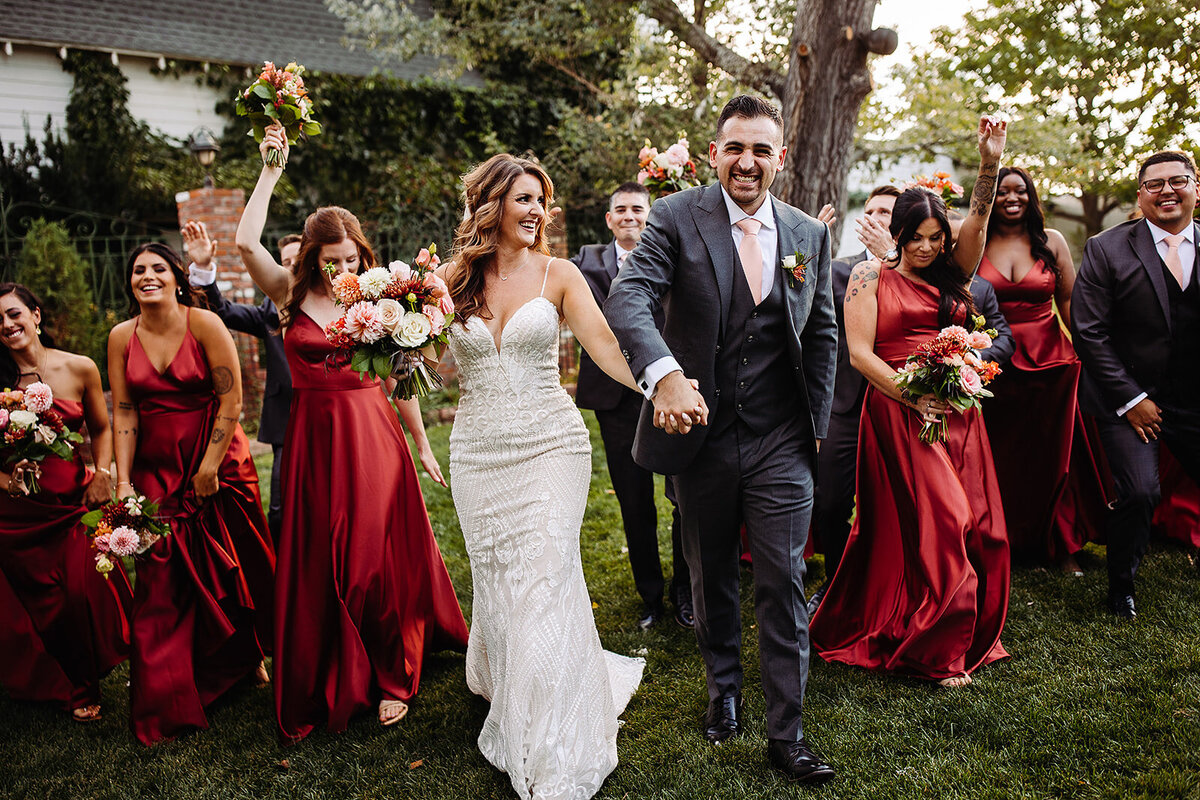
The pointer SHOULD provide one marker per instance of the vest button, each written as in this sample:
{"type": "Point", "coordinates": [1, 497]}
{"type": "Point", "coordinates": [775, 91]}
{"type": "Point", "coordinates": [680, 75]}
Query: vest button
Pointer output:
{"type": "Point", "coordinates": [717, 392]}
{"type": "Point", "coordinates": [745, 361]}
{"type": "Point", "coordinates": [741, 384]}
{"type": "Point", "coordinates": [754, 315]}
{"type": "Point", "coordinates": [739, 406]}
{"type": "Point", "coordinates": [750, 338]}
{"type": "Point", "coordinates": [718, 348]}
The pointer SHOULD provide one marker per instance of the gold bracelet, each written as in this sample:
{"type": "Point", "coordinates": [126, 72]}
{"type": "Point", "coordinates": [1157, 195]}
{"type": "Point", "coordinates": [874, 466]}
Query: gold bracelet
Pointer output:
{"type": "Point", "coordinates": [106, 472]}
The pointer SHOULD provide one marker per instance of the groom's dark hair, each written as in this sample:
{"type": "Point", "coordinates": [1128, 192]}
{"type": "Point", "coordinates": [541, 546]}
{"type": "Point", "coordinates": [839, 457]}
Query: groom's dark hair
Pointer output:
{"type": "Point", "coordinates": [748, 106]}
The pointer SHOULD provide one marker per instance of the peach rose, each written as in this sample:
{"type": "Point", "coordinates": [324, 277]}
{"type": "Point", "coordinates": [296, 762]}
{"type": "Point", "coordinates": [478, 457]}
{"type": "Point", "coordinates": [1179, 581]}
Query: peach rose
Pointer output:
{"type": "Point", "coordinates": [969, 381]}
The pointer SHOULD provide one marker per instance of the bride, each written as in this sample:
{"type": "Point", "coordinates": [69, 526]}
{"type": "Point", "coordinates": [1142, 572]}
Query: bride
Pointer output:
{"type": "Point", "coordinates": [521, 465]}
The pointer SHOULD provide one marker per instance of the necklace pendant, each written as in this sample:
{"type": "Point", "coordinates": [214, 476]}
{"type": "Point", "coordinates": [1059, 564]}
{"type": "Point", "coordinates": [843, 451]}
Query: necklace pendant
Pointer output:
{"type": "Point", "coordinates": [503, 277]}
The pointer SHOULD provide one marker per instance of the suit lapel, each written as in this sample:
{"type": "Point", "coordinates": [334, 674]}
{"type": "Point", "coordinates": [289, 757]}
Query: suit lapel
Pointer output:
{"type": "Point", "coordinates": [610, 261]}
{"type": "Point", "coordinates": [790, 240]}
{"type": "Point", "coordinates": [712, 222]}
{"type": "Point", "coordinates": [1142, 242]}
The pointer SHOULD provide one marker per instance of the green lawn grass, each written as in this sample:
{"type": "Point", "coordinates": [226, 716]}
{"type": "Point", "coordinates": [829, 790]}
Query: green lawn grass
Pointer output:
{"type": "Point", "coordinates": [1086, 708]}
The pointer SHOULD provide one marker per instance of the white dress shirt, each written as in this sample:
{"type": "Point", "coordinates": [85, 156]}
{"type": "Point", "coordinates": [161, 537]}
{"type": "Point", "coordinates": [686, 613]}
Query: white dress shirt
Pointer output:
{"type": "Point", "coordinates": [1187, 259]}
{"type": "Point", "coordinates": [622, 253]}
{"type": "Point", "coordinates": [200, 276]}
{"type": "Point", "coordinates": [768, 242]}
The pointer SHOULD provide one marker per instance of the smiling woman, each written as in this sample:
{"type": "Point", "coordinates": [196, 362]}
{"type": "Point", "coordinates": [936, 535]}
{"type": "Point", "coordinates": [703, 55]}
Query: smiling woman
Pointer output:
{"type": "Point", "coordinates": [199, 626]}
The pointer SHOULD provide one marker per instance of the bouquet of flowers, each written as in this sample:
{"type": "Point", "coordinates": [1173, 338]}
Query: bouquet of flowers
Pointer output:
{"type": "Point", "coordinates": [393, 314]}
{"type": "Point", "coordinates": [33, 430]}
{"type": "Point", "coordinates": [940, 183]}
{"type": "Point", "coordinates": [668, 172]}
{"type": "Point", "coordinates": [126, 527]}
{"type": "Point", "coordinates": [949, 368]}
{"type": "Point", "coordinates": [278, 96]}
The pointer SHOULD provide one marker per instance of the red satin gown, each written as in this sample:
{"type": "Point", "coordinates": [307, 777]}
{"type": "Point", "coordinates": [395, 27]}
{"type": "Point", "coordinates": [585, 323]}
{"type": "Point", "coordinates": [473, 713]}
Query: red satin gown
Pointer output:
{"type": "Point", "coordinates": [1178, 513]}
{"type": "Point", "coordinates": [1046, 451]}
{"type": "Point", "coordinates": [62, 626]}
{"type": "Point", "coordinates": [202, 595]}
{"type": "Point", "coordinates": [362, 592]}
{"type": "Point", "coordinates": [922, 588]}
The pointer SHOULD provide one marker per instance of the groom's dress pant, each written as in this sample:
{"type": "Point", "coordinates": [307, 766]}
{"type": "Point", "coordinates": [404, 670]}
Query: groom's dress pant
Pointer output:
{"type": "Point", "coordinates": [1134, 465]}
{"type": "Point", "coordinates": [765, 480]}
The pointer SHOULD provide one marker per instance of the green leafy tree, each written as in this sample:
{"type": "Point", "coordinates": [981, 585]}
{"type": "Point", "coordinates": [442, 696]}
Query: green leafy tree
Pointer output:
{"type": "Point", "coordinates": [1089, 85]}
{"type": "Point", "coordinates": [54, 271]}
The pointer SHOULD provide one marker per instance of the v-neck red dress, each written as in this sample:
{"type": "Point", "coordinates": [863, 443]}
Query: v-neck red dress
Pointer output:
{"type": "Point", "coordinates": [62, 625]}
{"type": "Point", "coordinates": [202, 598]}
{"type": "Point", "coordinates": [1047, 453]}
{"type": "Point", "coordinates": [363, 594]}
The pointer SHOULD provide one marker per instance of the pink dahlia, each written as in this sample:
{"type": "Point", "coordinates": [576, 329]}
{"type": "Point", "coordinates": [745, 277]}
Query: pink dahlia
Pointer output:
{"type": "Point", "coordinates": [38, 397]}
{"type": "Point", "coordinates": [364, 323]}
{"type": "Point", "coordinates": [124, 541]}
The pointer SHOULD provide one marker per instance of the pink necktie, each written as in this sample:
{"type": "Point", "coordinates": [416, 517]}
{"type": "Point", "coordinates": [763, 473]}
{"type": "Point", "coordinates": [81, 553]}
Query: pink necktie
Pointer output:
{"type": "Point", "coordinates": [751, 255]}
{"type": "Point", "coordinates": [1172, 257]}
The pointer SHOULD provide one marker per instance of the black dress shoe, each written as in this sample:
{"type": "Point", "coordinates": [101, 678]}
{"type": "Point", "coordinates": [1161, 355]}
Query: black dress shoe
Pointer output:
{"type": "Point", "coordinates": [814, 602]}
{"type": "Point", "coordinates": [1122, 605]}
{"type": "Point", "coordinates": [798, 762]}
{"type": "Point", "coordinates": [650, 615]}
{"type": "Point", "coordinates": [723, 719]}
{"type": "Point", "coordinates": [685, 615]}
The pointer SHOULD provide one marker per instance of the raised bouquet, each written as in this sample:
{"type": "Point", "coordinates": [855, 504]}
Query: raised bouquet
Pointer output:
{"type": "Point", "coordinates": [949, 368]}
{"type": "Point", "coordinates": [667, 172]}
{"type": "Point", "coordinates": [939, 184]}
{"type": "Point", "coordinates": [126, 527]}
{"type": "Point", "coordinates": [278, 95]}
{"type": "Point", "coordinates": [391, 315]}
{"type": "Point", "coordinates": [32, 430]}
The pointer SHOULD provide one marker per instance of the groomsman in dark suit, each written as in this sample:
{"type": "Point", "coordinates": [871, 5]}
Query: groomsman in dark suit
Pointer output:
{"type": "Point", "coordinates": [837, 461]}
{"type": "Point", "coordinates": [617, 409]}
{"type": "Point", "coordinates": [1135, 315]}
{"type": "Point", "coordinates": [261, 321]}
{"type": "Point", "coordinates": [744, 280]}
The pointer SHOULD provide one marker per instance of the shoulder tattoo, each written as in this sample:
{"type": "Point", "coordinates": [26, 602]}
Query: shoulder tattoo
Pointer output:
{"type": "Point", "coordinates": [862, 277]}
{"type": "Point", "coordinates": [222, 380]}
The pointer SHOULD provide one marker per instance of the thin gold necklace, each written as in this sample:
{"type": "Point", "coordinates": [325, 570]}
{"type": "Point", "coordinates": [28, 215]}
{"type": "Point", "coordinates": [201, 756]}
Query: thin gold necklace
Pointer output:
{"type": "Point", "coordinates": [504, 277]}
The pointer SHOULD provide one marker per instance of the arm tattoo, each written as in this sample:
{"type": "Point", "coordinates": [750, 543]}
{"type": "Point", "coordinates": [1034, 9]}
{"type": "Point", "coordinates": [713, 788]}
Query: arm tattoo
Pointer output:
{"type": "Point", "coordinates": [218, 436]}
{"type": "Point", "coordinates": [222, 380]}
{"type": "Point", "coordinates": [125, 406]}
{"type": "Point", "coordinates": [861, 279]}
{"type": "Point", "coordinates": [985, 188]}
{"type": "Point", "coordinates": [234, 420]}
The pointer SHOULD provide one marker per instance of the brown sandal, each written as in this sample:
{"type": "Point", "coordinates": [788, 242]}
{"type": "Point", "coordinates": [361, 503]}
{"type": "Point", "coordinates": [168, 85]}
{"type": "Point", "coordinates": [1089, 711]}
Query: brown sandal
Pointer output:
{"type": "Point", "coordinates": [388, 713]}
{"type": "Point", "coordinates": [85, 714]}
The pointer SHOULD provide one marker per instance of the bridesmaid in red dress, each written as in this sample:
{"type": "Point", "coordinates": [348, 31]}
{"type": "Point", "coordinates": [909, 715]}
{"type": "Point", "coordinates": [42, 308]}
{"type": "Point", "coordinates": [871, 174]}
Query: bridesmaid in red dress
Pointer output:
{"type": "Point", "coordinates": [1049, 471]}
{"type": "Point", "coordinates": [177, 394]}
{"type": "Point", "coordinates": [64, 626]}
{"type": "Point", "coordinates": [922, 589]}
{"type": "Point", "coordinates": [362, 593]}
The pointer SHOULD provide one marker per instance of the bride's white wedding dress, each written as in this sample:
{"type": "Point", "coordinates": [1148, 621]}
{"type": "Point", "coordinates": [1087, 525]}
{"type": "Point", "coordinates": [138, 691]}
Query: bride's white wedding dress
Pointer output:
{"type": "Point", "coordinates": [520, 462]}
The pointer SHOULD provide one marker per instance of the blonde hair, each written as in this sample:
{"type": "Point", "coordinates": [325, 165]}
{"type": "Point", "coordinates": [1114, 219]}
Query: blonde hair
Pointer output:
{"type": "Point", "coordinates": [478, 236]}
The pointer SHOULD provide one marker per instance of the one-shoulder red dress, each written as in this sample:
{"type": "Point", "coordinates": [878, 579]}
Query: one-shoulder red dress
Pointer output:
{"type": "Point", "coordinates": [202, 595]}
{"type": "Point", "coordinates": [62, 625]}
{"type": "Point", "coordinates": [922, 588]}
{"type": "Point", "coordinates": [362, 592]}
{"type": "Point", "coordinates": [1046, 451]}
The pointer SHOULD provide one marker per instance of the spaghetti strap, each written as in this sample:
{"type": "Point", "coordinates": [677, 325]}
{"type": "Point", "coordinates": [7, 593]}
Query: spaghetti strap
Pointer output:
{"type": "Point", "coordinates": [542, 293]}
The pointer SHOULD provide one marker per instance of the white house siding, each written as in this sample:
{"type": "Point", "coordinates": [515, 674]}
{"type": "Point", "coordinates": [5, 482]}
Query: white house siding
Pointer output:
{"type": "Point", "coordinates": [34, 85]}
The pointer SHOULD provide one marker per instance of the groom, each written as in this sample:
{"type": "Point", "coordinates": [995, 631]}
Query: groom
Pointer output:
{"type": "Point", "coordinates": [761, 340]}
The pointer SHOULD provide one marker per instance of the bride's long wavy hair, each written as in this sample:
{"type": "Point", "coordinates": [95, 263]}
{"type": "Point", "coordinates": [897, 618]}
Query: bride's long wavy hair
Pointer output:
{"type": "Point", "coordinates": [478, 236]}
{"type": "Point", "coordinates": [326, 225]}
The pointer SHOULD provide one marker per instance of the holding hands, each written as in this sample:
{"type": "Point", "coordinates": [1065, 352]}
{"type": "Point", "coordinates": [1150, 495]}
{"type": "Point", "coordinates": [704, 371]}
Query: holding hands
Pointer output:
{"type": "Point", "coordinates": [678, 404]}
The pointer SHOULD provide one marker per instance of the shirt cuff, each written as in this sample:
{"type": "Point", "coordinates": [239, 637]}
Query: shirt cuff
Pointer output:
{"type": "Point", "coordinates": [654, 372]}
{"type": "Point", "coordinates": [1123, 409]}
{"type": "Point", "coordinates": [199, 276]}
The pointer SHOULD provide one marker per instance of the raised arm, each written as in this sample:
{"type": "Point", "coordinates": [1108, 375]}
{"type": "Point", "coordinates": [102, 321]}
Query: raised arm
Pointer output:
{"type": "Point", "coordinates": [125, 414]}
{"type": "Point", "coordinates": [274, 280]}
{"type": "Point", "coordinates": [226, 372]}
{"type": "Point", "coordinates": [95, 413]}
{"type": "Point", "coordinates": [972, 237]}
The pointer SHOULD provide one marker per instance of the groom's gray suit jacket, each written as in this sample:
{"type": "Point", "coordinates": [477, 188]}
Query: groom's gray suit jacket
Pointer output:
{"type": "Point", "coordinates": [687, 261]}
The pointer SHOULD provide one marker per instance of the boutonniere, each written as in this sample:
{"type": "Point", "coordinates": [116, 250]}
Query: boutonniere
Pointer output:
{"type": "Point", "coordinates": [796, 267]}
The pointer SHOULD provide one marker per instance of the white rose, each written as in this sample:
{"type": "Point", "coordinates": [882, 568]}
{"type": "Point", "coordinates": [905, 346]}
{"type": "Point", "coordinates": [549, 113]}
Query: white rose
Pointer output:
{"type": "Point", "coordinates": [789, 262]}
{"type": "Point", "coordinates": [401, 270]}
{"type": "Point", "coordinates": [373, 282]}
{"type": "Point", "coordinates": [27, 419]}
{"type": "Point", "coordinates": [661, 161]}
{"type": "Point", "coordinates": [413, 330]}
{"type": "Point", "coordinates": [390, 314]}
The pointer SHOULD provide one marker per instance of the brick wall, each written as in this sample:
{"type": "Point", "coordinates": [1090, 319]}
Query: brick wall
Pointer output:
{"type": "Point", "coordinates": [220, 210]}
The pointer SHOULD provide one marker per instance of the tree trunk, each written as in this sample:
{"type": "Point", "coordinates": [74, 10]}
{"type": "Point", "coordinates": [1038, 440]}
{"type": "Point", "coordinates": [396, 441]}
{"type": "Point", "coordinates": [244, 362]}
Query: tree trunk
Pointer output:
{"type": "Point", "coordinates": [825, 84]}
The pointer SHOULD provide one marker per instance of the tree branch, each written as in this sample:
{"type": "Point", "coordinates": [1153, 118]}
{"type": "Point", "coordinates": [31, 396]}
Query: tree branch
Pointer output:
{"type": "Point", "coordinates": [760, 76]}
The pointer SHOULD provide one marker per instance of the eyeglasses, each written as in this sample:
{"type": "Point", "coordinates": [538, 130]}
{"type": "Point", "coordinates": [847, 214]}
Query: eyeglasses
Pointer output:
{"type": "Point", "coordinates": [1177, 182]}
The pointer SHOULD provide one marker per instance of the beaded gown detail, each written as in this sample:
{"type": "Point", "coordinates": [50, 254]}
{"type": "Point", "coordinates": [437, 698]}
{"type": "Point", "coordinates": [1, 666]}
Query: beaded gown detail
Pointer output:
{"type": "Point", "coordinates": [520, 462]}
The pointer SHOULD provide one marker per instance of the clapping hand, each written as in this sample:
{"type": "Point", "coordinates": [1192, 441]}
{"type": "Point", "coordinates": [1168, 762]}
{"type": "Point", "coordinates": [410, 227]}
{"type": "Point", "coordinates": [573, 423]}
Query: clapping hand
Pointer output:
{"type": "Point", "coordinates": [993, 132]}
{"type": "Point", "coordinates": [197, 244]}
{"type": "Point", "coordinates": [274, 139]}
